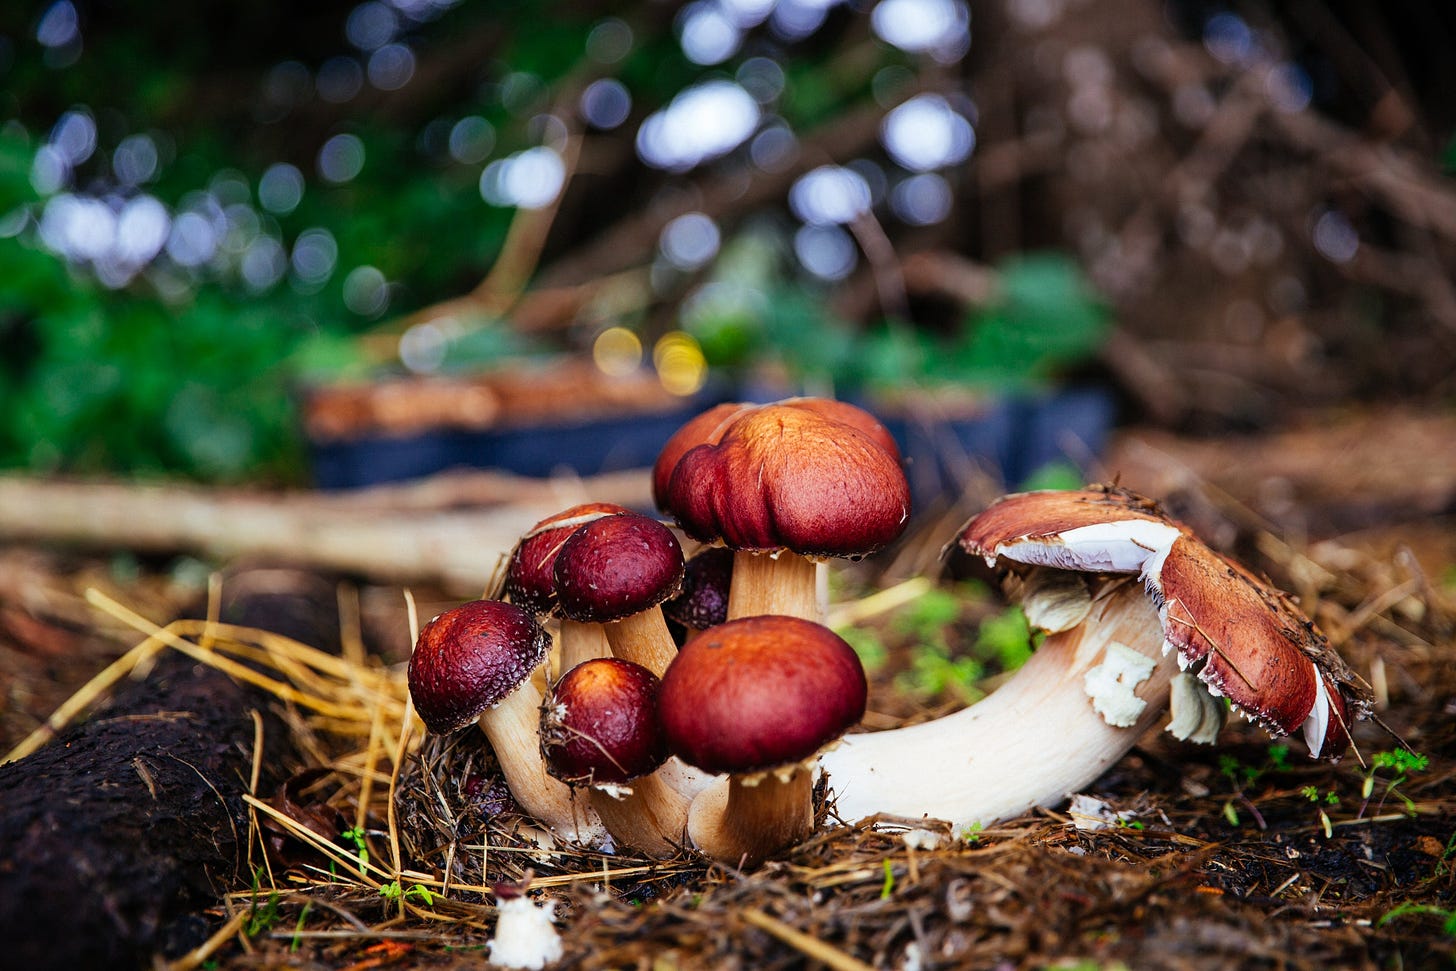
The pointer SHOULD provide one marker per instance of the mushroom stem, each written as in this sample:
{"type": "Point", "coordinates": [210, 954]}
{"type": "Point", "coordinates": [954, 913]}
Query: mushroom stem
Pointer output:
{"type": "Point", "coordinates": [512, 727]}
{"type": "Point", "coordinates": [653, 817]}
{"type": "Point", "coordinates": [779, 582]}
{"type": "Point", "coordinates": [1033, 742]}
{"type": "Point", "coordinates": [581, 642]}
{"type": "Point", "coordinates": [643, 639]}
{"type": "Point", "coordinates": [742, 825]}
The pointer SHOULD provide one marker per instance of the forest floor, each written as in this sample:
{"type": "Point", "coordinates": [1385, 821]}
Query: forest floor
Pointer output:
{"type": "Point", "coordinates": [1247, 854]}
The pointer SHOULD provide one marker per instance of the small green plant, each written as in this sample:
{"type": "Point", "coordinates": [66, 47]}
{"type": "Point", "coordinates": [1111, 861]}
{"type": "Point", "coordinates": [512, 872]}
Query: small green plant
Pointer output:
{"type": "Point", "coordinates": [1007, 637]}
{"type": "Point", "coordinates": [1404, 764]}
{"type": "Point", "coordinates": [868, 645]}
{"type": "Point", "coordinates": [356, 838]}
{"type": "Point", "coordinates": [1447, 916]}
{"type": "Point", "coordinates": [393, 891]}
{"type": "Point", "coordinates": [297, 941]}
{"type": "Point", "coordinates": [889, 885]}
{"type": "Point", "coordinates": [263, 915]}
{"type": "Point", "coordinates": [971, 834]}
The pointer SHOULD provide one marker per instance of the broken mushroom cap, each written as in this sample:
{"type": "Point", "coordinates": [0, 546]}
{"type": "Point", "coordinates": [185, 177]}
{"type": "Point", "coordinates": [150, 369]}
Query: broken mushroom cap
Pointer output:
{"type": "Point", "coordinates": [1095, 530]}
{"type": "Point", "coordinates": [703, 601]}
{"type": "Point", "coordinates": [1249, 643]}
{"type": "Point", "coordinates": [1242, 638]}
{"type": "Point", "coordinates": [615, 567]}
{"type": "Point", "coordinates": [600, 724]}
{"type": "Point", "coordinates": [530, 581]}
{"type": "Point", "coordinates": [760, 693]}
{"type": "Point", "coordinates": [470, 658]}
{"type": "Point", "coordinates": [795, 475]}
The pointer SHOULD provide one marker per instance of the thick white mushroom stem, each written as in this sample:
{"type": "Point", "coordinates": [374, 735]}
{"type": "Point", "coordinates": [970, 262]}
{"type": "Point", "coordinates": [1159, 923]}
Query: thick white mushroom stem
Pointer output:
{"type": "Point", "coordinates": [779, 582]}
{"type": "Point", "coordinates": [513, 727]}
{"type": "Point", "coordinates": [652, 817]}
{"type": "Point", "coordinates": [643, 639]}
{"type": "Point", "coordinates": [581, 642]}
{"type": "Point", "coordinates": [743, 820]}
{"type": "Point", "coordinates": [1034, 741]}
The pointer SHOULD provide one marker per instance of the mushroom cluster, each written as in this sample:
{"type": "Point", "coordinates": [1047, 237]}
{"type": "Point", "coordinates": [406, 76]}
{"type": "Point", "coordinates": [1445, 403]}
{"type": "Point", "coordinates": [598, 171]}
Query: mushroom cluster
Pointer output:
{"type": "Point", "coordinates": [1141, 620]}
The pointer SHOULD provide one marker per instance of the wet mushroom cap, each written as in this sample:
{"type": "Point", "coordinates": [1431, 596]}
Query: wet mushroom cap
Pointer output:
{"type": "Point", "coordinates": [530, 581]}
{"type": "Point", "coordinates": [601, 725]}
{"type": "Point", "coordinates": [703, 602]}
{"type": "Point", "coordinates": [615, 567]}
{"type": "Point", "coordinates": [759, 693]}
{"type": "Point", "coordinates": [1247, 642]}
{"type": "Point", "coordinates": [469, 658]}
{"type": "Point", "coordinates": [792, 476]}
{"type": "Point", "coordinates": [709, 427]}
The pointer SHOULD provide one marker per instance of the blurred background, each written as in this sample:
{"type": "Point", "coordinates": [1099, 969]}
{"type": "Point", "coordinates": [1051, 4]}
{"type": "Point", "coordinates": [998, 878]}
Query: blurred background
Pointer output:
{"type": "Point", "coordinates": [354, 242]}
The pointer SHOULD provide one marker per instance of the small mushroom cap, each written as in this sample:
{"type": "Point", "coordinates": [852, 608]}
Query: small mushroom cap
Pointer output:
{"type": "Point", "coordinates": [530, 581]}
{"type": "Point", "coordinates": [708, 429]}
{"type": "Point", "coordinates": [795, 475]}
{"type": "Point", "coordinates": [1100, 529]}
{"type": "Point", "coordinates": [470, 658]}
{"type": "Point", "coordinates": [1248, 642]}
{"type": "Point", "coordinates": [703, 602]}
{"type": "Point", "coordinates": [759, 693]}
{"type": "Point", "coordinates": [600, 725]}
{"type": "Point", "coordinates": [615, 567]}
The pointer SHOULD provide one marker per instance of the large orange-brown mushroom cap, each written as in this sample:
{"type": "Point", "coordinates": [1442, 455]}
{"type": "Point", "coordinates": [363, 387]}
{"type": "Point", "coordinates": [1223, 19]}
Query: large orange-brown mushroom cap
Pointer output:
{"type": "Point", "coordinates": [811, 476]}
{"type": "Point", "coordinates": [709, 427]}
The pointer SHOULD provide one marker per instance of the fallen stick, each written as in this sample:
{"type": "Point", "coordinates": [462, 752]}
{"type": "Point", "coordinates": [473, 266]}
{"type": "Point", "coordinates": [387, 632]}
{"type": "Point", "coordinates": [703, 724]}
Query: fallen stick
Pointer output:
{"type": "Point", "coordinates": [389, 534]}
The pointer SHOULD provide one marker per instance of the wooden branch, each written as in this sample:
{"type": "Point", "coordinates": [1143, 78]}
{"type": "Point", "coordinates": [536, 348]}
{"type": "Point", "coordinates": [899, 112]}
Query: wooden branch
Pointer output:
{"type": "Point", "coordinates": [388, 534]}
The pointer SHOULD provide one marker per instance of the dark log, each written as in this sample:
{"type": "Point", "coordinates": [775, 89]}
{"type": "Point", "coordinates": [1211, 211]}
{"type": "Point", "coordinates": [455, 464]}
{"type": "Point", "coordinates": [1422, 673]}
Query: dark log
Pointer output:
{"type": "Point", "coordinates": [117, 832]}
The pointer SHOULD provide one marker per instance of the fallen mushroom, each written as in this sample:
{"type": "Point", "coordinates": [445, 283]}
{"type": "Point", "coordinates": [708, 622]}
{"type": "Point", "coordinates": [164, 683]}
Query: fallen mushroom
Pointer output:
{"type": "Point", "coordinates": [614, 572]}
{"type": "Point", "coordinates": [474, 663]}
{"type": "Point", "coordinates": [758, 699]}
{"type": "Point", "coordinates": [530, 578]}
{"type": "Point", "coordinates": [784, 485]}
{"type": "Point", "coordinates": [600, 729]}
{"type": "Point", "coordinates": [1102, 676]}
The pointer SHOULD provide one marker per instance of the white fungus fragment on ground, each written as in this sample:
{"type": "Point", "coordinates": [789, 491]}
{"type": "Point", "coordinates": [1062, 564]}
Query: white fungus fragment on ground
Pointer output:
{"type": "Point", "coordinates": [524, 937]}
{"type": "Point", "coordinates": [922, 839]}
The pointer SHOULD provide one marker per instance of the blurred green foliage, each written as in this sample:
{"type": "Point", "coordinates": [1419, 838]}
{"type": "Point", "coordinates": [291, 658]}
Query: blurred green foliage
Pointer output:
{"type": "Point", "coordinates": [193, 368]}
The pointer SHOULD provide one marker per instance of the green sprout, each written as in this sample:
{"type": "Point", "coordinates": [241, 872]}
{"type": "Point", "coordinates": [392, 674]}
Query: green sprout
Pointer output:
{"type": "Point", "coordinates": [1404, 763]}
{"type": "Point", "coordinates": [417, 891]}
{"type": "Point", "coordinates": [355, 836]}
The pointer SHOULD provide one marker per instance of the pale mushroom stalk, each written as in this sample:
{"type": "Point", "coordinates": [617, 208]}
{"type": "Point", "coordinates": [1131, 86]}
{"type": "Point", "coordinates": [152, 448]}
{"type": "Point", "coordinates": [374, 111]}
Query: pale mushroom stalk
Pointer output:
{"type": "Point", "coordinates": [646, 813]}
{"type": "Point", "coordinates": [512, 727]}
{"type": "Point", "coordinates": [779, 582]}
{"type": "Point", "coordinates": [642, 639]}
{"type": "Point", "coordinates": [1032, 742]}
{"type": "Point", "coordinates": [581, 642]}
{"type": "Point", "coordinates": [740, 821]}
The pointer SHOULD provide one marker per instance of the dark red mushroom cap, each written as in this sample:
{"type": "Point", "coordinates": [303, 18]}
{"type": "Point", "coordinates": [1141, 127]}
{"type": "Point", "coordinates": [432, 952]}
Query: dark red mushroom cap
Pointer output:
{"type": "Point", "coordinates": [615, 567]}
{"type": "Point", "coordinates": [469, 658]}
{"type": "Point", "coordinates": [795, 476]}
{"type": "Point", "coordinates": [600, 725]}
{"type": "Point", "coordinates": [529, 578]}
{"type": "Point", "coordinates": [1249, 643]}
{"type": "Point", "coordinates": [703, 602]}
{"type": "Point", "coordinates": [709, 427]}
{"type": "Point", "coordinates": [759, 693]}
